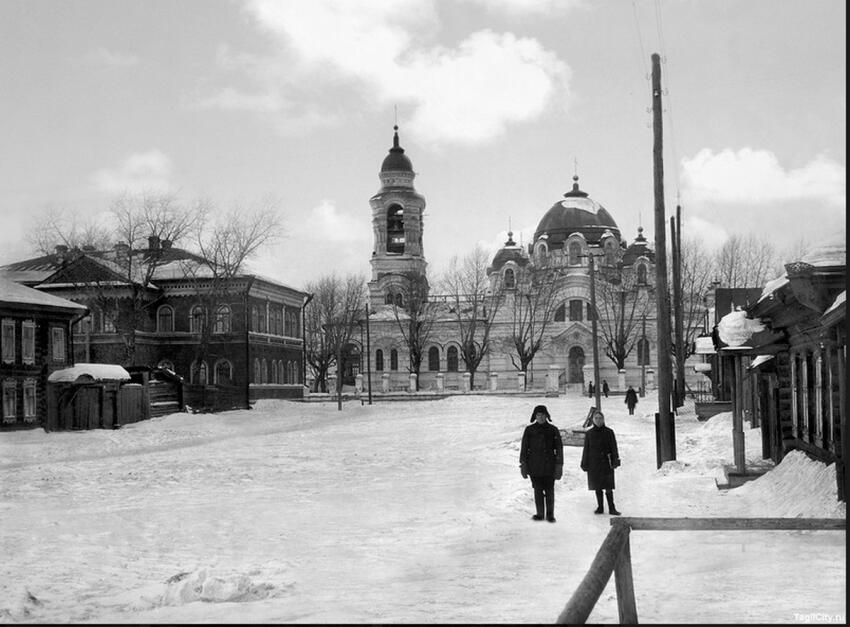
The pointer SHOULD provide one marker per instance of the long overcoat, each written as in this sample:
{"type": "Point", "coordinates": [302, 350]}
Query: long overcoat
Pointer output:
{"type": "Point", "coordinates": [541, 449]}
{"type": "Point", "coordinates": [631, 398]}
{"type": "Point", "coordinates": [599, 457]}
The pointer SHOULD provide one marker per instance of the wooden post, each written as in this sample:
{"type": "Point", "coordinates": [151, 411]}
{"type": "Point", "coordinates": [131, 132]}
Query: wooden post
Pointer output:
{"type": "Point", "coordinates": [665, 370]}
{"type": "Point", "coordinates": [678, 306]}
{"type": "Point", "coordinates": [738, 450]}
{"type": "Point", "coordinates": [624, 582]}
{"type": "Point", "coordinates": [596, 382]}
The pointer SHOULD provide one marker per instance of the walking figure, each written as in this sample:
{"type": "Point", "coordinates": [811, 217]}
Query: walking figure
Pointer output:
{"type": "Point", "coordinates": [599, 458]}
{"type": "Point", "coordinates": [631, 400]}
{"type": "Point", "coordinates": [541, 456]}
{"type": "Point", "coordinates": [605, 388]}
{"type": "Point", "coordinates": [590, 389]}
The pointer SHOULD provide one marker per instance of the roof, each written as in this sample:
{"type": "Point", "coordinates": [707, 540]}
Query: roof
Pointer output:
{"type": "Point", "coordinates": [396, 161]}
{"type": "Point", "coordinates": [85, 373]}
{"type": "Point", "coordinates": [15, 293]}
{"type": "Point", "coordinates": [578, 213]}
{"type": "Point", "coordinates": [509, 252]}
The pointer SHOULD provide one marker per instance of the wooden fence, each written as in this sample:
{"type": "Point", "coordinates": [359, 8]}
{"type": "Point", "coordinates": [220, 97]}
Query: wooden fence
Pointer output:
{"type": "Point", "coordinates": [99, 405]}
{"type": "Point", "coordinates": [614, 556]}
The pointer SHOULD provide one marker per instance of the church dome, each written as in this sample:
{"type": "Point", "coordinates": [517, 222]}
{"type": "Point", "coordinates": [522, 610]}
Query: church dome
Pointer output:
{"type": "Point", "coordinates": [578, 213]}
{"type": "Point", "coordinates": [396, 161]}
{"type": "Point", "coordinates": [509, 252]}
{"type": "Point", "coordinates": [639, 248]}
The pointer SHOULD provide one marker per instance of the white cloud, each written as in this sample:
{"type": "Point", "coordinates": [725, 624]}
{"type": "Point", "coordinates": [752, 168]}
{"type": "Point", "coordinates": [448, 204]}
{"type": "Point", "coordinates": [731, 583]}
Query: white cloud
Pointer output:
{"type": "Point", "coordinates": [139, 172]}
{"type": "Point", "coordinates": [379, 52]}
{"type": "Point", "coordinates": [756, 176]}
{"type": "Point", "coordinates": [327, 224]}
{"type": "Point", "coordinates": [111, 59]}
{"type": "Point", "coordinates": [540, 7]}
{"type": "Point", "coordinates": [710, 234]}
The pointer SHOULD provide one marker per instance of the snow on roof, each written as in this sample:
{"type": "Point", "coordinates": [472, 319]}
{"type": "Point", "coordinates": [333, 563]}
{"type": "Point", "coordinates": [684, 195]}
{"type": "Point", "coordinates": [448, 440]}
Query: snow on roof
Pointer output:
{"type": "Point", "coordinates": [735, 328]}
{"type": "Point", "coordinates": [839, 300]}
{"type": "Point", "coordinates": [758, 361]}
{"type": "Point", "coordinates": [771, 286]}
{"type": "Point", "coordinates": [11, 292]}
{"type": "Point", "coordinates": [89, 372]}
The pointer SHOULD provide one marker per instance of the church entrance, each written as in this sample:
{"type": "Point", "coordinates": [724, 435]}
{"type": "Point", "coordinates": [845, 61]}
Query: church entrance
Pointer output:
{"type": "Point", "coordinates": [350, 364]}
{"type": "Point", "coordinates": [576, 363]}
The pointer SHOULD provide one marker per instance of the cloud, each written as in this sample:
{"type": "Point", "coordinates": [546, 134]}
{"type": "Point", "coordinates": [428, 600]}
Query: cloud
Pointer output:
{"type": "Point", "coordinates": [756, 177]}
{"type": "Point", "coordinates": [710, 234]}
{"type": "Point", "coordinates": [533, 7]}
{"type": "Point", "coordinates": [111, 59]}
{"type": "Point", "coordinates": [380, 54]}
{"type": "Point", "coordinates": [139, 172]}
{"type": "Point", "coordinates": [326, 224]}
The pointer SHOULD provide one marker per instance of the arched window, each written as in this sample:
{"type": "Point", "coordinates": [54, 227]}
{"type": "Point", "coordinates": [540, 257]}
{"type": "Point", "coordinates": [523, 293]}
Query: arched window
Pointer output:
{"type": "Point", "coordinates": [393, 359]}
{"type": "Point", "coordinates": [451, 359]}
{"type": "Point", "coordinates": [255, 318]}
{"type": "Point", "coordinates": [510, 279]}
{"type": "Point", "coordinates": [395, 229]}
{"type": "Point", "coordinates": [399, 300]}
{"type": "Point", "coordinates": [198, 372]}
{"type": "Point", "coordinates": [265, 371]}
{"type": "Point", "coordinates": [379, 360]}
{"type": "Point", "coordinates": [641, 274]}
{"type": "Point", "coordinates": [433, 359]}
{"type": "Point", "coordinates": [575, 309]}
{"type": "Point", "coordinates": [541, 248]}
{"type": "Point", "coordinates": [561, 313]}
{"type": "Point", "coordinates": [575, 253]}
{"type": "Point", "coordinates": [261, 323]}
{"type": "Point", "coordinates": [222, 319]}
{"type": "Point", "coordinates": [258, 375]}
{"type": "Point", "coordinates": [165, 319]}
{"type": "Point", "coordinates": [223, 373]}
{"type": "Point", "coordinates": [610, 252]}
{"type": "Point", "coordinates": [197, 319]}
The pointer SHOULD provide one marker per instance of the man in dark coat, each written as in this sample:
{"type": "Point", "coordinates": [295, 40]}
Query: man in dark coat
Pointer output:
{"type": "Point", "coordinates": [590, 389]}
{"type": "Point", "coordinates": [541, 456]}
{"type": "Point", "coordinates": [605, 388]}
{"type": "Point", "coordinates": [599, 458]}
{"type": "Point", "coordinates": [631, 400]}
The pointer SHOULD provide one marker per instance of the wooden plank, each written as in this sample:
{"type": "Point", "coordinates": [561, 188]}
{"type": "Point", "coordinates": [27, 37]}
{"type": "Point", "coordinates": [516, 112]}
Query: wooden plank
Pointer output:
{"type": "Point", "coordinates": [624, 583]}
{"type": "Point", "coordinates": [581, 604]}
{"type": "Point", "coordinates": [730, 524]}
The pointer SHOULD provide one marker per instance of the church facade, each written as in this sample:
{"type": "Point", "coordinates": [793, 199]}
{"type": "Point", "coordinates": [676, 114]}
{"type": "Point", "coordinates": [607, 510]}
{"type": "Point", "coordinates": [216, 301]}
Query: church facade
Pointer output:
{"type": "Point", "coordinates": [543, 289]}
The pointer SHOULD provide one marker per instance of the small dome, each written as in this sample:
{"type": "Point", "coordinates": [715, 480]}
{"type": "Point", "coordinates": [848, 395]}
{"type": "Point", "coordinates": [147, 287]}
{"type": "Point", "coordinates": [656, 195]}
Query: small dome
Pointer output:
{"type": "Point", "coordinates": [577, 214]}
{"type": "Point", "coordinates": [638, 248]}
{"type": "Point", "coordinates": [396, 161]}
{"type": "Point", "coordinates": [509, 252]}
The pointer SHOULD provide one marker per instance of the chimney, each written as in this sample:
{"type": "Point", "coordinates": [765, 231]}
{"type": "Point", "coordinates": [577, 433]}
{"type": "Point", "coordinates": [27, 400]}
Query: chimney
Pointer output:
{"type": "Point", "coordinates": [60, 251]}
{"type": "Point", "coordinates": [121, 251]}
{"type": "Point", "coordinates": [153, 242]}
{"type": "Point", "coordinates": [166, 244]}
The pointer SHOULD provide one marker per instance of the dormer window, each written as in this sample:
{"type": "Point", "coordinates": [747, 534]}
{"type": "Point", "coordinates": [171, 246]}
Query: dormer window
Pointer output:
{"type": "Point", "coordinates": [509, 279]}
{"type": "Point", "coordinates": [641, 274]}
{"type": "Point", "coordinates": [575, 253]}
{"type": "Point", "coordinates": [395, 229]}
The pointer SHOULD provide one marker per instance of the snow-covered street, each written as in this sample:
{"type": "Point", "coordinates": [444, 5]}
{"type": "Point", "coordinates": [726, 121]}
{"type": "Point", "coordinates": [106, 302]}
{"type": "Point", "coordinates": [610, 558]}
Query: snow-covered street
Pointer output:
{"type": "Point", "coordinates": [394, 512]}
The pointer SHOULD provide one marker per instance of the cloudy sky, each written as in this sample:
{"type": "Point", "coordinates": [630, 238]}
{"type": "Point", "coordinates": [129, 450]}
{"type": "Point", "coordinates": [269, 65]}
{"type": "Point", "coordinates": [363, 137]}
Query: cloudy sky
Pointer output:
{"type": "Point", "coordinates": [499, 103]}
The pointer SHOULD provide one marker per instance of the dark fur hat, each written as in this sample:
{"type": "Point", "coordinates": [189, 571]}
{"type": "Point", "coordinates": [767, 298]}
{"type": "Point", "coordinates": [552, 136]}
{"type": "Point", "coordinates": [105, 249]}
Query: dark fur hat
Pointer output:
{"type": "Point", "coordinates": [541, 408]}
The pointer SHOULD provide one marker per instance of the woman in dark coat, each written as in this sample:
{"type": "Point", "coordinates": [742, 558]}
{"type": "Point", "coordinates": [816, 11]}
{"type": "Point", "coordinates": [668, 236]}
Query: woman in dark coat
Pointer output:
{"type": "Point", "coordinates": [541, 456]}
{"type": "Point", "coordinates": [631, 400]}
{"type": "Point", "coordinates": [599, 458]}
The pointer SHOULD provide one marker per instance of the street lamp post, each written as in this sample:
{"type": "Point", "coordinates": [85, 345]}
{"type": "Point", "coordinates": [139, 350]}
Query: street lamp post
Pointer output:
{"type": "Point", "coordinates": [368, 356]}
{"type": "Point", "coordinates": [643, 358]}
{"type": "Point", "coordinates": [594, 331]}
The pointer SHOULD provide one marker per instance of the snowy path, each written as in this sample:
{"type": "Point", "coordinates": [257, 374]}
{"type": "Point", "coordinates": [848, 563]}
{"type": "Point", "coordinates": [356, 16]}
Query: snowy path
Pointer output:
{"type": "Point", "coordinates": [395, 512]}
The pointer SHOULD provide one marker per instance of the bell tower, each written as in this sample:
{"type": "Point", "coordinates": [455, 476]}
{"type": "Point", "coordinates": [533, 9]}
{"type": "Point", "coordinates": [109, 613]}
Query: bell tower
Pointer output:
{"type": "Point", "coordinates": [397, 225]}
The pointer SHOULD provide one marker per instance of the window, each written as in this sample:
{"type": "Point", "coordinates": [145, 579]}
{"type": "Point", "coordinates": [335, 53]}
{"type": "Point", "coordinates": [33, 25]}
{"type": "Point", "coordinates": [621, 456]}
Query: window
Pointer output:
{"type": "Point", "coordinates": [393, 359]}
{"type": "Point", "coordinates": [223, 373]}
{"type": "Point", "coordinates": [198, 372]}
{"type": "Point", "coordinates": [28, 341]}
{"type": "Point", "coordinates": [451, 359]}
{"type": "Point", "coordinates": [57, 335]}
{"type": "Point", "coordinates": [265, 371]}
{"type": "Point", "coordinates": [197, 319]}
{"type": "Point", "coordinates": [399, 300]}
{"type": "Point", "coordinates": [29, 400]}
{"type": "Point", "coordinates": [510, 279]}
{"type": "Point", "coordinates": [257, 373]}
{"type": "Point", "coordinates": [165, 319]}
{"type": "Point", "coordinates": [575, 253]}
{"type": "Point", "coordinates": [261, 323]}
{"type": "Point", "coordinates": [10, 400]}
{"type": "Point", "coordinates": [434, 359]}
{"type": "Point", "coordinates": [641, 274]}
{"type": "Point", "coordinates": [575, 309]}
{"type": "Point", "coordinates": [388, 299]}
{"type": "Point", "coordinates": [561, 313]}
{"type": "Point", "coordinates": [8, 341]}
{"type": "Point", "coordinates": [108, 322]}
{"type": "Point", "coordinates": [395, 229]}
{"type": "Point", "coordinates": [255, 318]}
{"type": "Point", "coordinates": [222, 319]}
{"type": "Point", "coordinates": [379, 360]}
{"type": "Point", "coordinates": [278, 322]}
{"type": "Point", "coordinates": [84, 326]}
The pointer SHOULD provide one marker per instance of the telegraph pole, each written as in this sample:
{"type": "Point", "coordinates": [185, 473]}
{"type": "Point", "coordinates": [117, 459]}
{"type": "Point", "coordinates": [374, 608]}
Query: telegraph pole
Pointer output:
{"type": "Point", "coordinates": [596, 385]}
{"type": "Point", "coordinates": [678, 307]}
{"type": "Point", "coordinates": [368, 356]}
{"type": "Point", "coordinates": [664, 426]}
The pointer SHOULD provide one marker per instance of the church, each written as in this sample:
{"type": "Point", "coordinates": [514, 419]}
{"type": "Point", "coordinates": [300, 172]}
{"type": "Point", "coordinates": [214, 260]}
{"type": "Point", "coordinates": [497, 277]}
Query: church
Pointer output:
{"type": "Point", "coordinates": [543, 290]}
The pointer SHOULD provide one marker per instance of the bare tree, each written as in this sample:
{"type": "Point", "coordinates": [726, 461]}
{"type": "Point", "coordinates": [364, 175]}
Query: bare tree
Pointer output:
{"type": "Point", "coordinates": [530, 308]}
{"type": "Point", "coordinates": [415, 318]}
{"type": "Point", "coordinates": [473, 307]}
{"type": "Point", "coordinates": [61, 227]}
{"type": "Point", "coordinates": [621, 306]}
{"type": "Point", "coordinates": [745, 261]}
{"type": "Point", "coordinates": [698, 273]}
{"type": "Point", "coordinates": [329, 320]}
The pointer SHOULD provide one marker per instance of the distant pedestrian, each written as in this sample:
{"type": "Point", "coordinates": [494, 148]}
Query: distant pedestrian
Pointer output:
{"type": "Point", "coordinates": [590, 389]}
{"type": "Point", "coordinates": [599, 458]}
{"type": "Point", "coordinates": [631, 400]}
{"type": "Point", "coordinates": [541, 457]}
{"type": "Point", "coordinates": [605, 388]}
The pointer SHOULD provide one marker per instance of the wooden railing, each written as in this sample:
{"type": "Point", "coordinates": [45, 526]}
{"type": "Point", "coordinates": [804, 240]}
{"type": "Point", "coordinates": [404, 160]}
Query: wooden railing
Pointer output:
{"type": "Point", "coordinates": [614, 556]}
